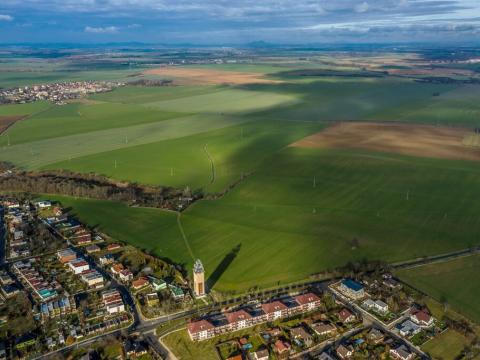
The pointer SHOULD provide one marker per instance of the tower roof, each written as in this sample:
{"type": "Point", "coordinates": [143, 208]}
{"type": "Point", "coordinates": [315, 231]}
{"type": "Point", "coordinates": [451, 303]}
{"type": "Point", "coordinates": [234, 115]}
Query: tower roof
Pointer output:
{"type": "Point", "coordinates": [198, 267]}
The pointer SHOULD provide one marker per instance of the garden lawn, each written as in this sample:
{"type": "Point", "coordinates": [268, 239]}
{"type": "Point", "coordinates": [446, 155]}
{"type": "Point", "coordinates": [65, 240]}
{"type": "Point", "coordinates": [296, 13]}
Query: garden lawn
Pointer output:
{"type": "Point", "coordinates": [446, 346]}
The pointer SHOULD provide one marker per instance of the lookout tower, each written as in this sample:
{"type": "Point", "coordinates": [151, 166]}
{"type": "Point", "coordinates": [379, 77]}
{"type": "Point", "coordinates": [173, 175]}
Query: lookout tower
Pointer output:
{"type": "Point", "coordinates": [198, 279]}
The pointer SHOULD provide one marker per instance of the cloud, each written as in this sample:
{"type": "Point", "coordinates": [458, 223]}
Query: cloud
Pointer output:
{"type": "Point", "coordinates": [102, 30]}
{"type": "Point", "coordinates": [4, 17]}
{"type": "Point", "coordinates": [361, 8]}
{"type": "Point", "coordinates": [240, 21]}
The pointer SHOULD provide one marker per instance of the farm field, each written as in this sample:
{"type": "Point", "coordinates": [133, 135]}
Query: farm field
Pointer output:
{"type": "Point", "coordinates": [407, 139]}
{"type": "Point", "coordinates": [302, 208]}
{"type": "Point", "coordinates": [77, 118]}
{"type": "Point", "coordinates": [149, 229]}
{"type": "Point", "coordinates": [455, 281]}
{"type": "Point", "coordinates": [184, 161]}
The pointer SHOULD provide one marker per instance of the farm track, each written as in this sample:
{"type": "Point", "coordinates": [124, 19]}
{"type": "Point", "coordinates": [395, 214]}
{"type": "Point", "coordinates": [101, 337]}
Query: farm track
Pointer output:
{"type": "Point", "coordinates": [185, 239]}
{"type": "Point", "coordinates": [210, 158]}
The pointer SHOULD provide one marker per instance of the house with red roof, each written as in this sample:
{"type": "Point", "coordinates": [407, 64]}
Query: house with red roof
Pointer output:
{"type": "Point", "coordinates": [125, 275]}
{"type": "Point", "coordinates": [282, 348]}
{"type": "Point", "coordinates": [112, 247]}
{"type": "Point", "coordinates": [239, 320]}
{"type": "Point", "coordinates": [308, 301]}
{"type": "Point", "coordinates": [201, 330]}
{"type": "Point", "coordinates": [346, 316]}
{"type": "Point", "coordinates": [421, 317]}
{"type": "Point", "coordinates": [274, 310]}
{"type": "Point", "coordinates": [140, 283]}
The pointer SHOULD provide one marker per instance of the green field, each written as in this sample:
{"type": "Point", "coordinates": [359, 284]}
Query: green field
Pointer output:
{"type": "Point", "coordinates": [446, 346]}
{"type": "Point", "coordinates": [287, 228]}
{"type": "Point", "coordinates": [455, 282]}
{"type": "Point", "coordinates": [299, 210]}
{"type": "Point", "coordinates": [181, 162]}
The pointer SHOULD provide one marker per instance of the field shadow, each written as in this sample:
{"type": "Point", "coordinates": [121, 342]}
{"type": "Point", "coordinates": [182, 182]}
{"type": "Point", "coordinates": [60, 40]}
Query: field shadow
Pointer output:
{"type": "Point", "coordinates": [223, 266]}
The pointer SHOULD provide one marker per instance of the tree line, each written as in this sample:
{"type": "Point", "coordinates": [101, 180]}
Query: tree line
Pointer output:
{"type": "Point", "coordinates": [97, 187]}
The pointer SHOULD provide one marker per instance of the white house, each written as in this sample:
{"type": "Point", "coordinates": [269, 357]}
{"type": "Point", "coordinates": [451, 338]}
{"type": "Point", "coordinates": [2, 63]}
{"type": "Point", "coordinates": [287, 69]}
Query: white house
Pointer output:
{"type": "Point", "coordinates": [78, 266]}
{"type": "Point", "coordinates": [402, 353]}
{"type": "Point", "coordinates": [380, 306]}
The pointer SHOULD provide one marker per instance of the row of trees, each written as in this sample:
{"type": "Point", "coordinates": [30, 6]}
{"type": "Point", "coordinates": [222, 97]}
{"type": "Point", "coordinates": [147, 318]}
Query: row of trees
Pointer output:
{"type": "Point", "coordinates": [96, 187]}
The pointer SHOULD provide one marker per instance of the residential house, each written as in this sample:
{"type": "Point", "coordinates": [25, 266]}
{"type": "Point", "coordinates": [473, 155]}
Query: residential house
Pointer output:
{"type": "Point", "coordinates": [345, 351]}
{"type": "Point", "coordinates": [92, 278]}
{"type": "Point", "coordinates": [408, 328]}
{"type": "Point", "coordinates": [67, 255]}
{"type": "Point", "coordinates": [92, 249]}
{"type": "Point", "coordinates": [125, 275]}
{"type": "Point", "coordinates": [239, 320]}
{"type": "Point", "coordinates": [116, 269]}
{"type": "Point", "coordinates": [157, 284]}
{"type": "Point", "coordinates": [201, 330]}
{"type": "Point", "coordinates": [43, 204]}
{"type": "Point", "coordinates": [375, 336]}
{"type": "Point", "coordinates": [421, 317]}
{"type": "Point", "coordinates": [299, 333]}
{"type": "Point", "coordinates": [377, 305]}
{"type": "Point", "coordinates": [78, 266]}
{"type": "Point", "coordinates": [401, 353]}
{"type": "Point", "coordinates": [134, 348]}
{"type": "Point", "coordinates": [177, 292]}
{"type": "Point", "coordinates": [140, 283]}
{"type": "Point", "coordinates": [324, 329]}
{"type": "Point", "coordinates": [113, 301]}
{"type": "Point", "coordinates": [261, 354]}
{"type": "Point", "coordinates": [352, 289]}
{"type": "Point", "coordinates": [308, 301]}
{"type": "Point", "coordinates": [112, 247]}
{"type": "Point", "coordinates": [282, 349]}
{"type": "Point", "coordinates": [380, 306]}
{"type": "Point", "coordinates": [106, 259]}
{"type": "Point", "coordinates": [274, 310]}
{"type": "Point", "coordinates": [345, 316]}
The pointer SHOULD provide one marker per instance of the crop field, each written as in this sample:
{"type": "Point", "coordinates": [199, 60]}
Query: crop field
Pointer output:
{"type": "Point", "coordinates": [407, 139]}
{"type": "Point", "coordinates": [199, 76]}
{"type": "Point", "coordinates": [184, 161]}
{"type": "Point", "coordinates": [455, 282]}
{"type": "Point", "coordinates": [301, 209]}
{"type": "Point", "coordinates": [7, 121]}
{"type": "Point", "coordinates": [297, 210]}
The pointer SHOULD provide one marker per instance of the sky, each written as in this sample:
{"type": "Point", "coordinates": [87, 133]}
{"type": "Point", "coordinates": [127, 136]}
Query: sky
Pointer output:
{"type": "Point", "coordinates": [236, 22]}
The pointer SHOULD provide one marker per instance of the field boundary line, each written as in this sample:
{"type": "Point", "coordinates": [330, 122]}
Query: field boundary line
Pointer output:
{"type": "Point", "coordinates": [185, 240]}
{"type": "Point", "coordinates": [210, 158]}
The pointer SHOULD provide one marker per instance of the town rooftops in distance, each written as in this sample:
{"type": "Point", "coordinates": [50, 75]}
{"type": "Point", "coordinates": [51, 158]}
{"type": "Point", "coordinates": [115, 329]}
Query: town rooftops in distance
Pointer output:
{"type": "Point", "coordinates": [198, 267]}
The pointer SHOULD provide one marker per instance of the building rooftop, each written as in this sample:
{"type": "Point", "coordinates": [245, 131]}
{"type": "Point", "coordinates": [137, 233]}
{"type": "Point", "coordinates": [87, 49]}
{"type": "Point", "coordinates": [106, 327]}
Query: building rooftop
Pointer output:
{"type": "Point", "coordinates": [198, 267]}
{"type": "Point", "coordinates": [352, 284]}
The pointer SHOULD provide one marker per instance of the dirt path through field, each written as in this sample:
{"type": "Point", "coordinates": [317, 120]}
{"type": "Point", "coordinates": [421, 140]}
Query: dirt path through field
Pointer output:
{"type": "Point", "coordinates": [408, 139]}
{"type": "Point", "coordinates": [200, 76]}
{"type": "Point", "coordinates": [7, 121]}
